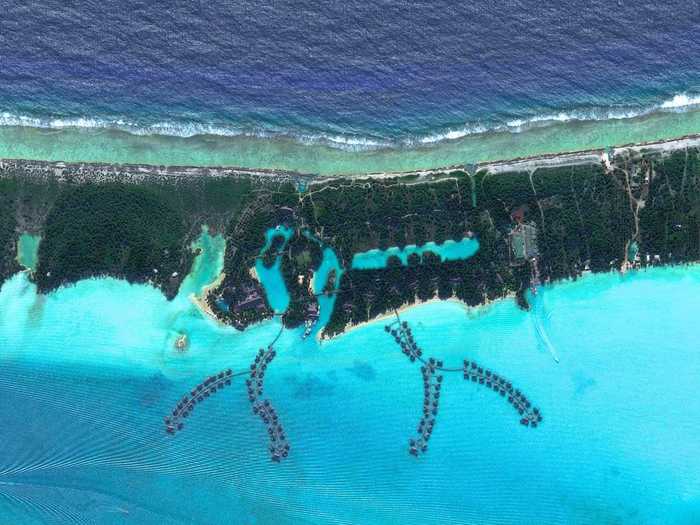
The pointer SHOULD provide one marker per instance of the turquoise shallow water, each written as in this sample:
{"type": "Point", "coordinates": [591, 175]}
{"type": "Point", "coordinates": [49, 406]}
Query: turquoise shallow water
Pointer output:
{"type": "Point", "coordinates": [28, 250]}
{"type": "Point", "coordinates": [271, 278]}
{"type": "Point", "coordinates": [450, 250]}
{"type": "Point", "coordinates": [88, 372]}
{"type": "Point", "coordinates": [326, 303]}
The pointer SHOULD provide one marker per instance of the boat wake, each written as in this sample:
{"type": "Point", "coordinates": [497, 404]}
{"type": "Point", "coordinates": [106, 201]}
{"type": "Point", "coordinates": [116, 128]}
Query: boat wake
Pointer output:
{"type": "Point", "coordinates": [540, 317]}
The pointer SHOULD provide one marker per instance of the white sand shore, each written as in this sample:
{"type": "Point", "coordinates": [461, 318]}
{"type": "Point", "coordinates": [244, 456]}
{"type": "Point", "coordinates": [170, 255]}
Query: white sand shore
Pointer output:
{"type": "Point", "coordinates": [471, 311]}
{"type": "Point", "coordinates": [201, 301]}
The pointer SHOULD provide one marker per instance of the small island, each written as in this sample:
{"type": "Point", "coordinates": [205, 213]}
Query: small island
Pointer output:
{"type": "Point", "coordinates": [181, 342]}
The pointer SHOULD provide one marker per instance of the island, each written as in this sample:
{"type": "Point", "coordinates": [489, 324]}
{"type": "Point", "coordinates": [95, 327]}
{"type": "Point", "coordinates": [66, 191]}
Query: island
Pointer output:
{"type": "Point", "coordinates": [472, 233]}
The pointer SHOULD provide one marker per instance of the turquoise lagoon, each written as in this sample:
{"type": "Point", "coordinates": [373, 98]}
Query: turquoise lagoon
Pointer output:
{"type": "Point", "coordinates": [28, 251]}
{"type": "Point", "coordinates": [271, 278]}
{"type": "Point", "coordinates": [326, 303]}
{"type": "Point", "coordinates": [450, 250]}
{"type": "Point", "coordinates": [88, 372]}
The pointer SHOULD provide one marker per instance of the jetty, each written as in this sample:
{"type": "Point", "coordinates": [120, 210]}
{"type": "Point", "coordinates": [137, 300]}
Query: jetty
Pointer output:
{"type": "Point", "coordinates": [432, 371]}
{"type": "Point", "coordinates": [278, 446]}
{"type": "Point", "coordinates": [174, 422]}
{"type": "Point", "coordinates": [529, 415]}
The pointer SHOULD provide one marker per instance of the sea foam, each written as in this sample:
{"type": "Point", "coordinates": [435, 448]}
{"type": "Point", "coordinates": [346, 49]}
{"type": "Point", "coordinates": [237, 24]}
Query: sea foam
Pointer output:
{"type": "Point", "coordinates": [355, 141]}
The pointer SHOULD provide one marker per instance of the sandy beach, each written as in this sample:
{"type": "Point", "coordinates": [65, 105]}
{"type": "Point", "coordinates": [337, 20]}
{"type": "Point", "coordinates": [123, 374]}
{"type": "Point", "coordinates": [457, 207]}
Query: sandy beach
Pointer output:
{"type": "Point", "coordinates": [201, 301]}
{"type": "Point", "coordinates": [470, 311]}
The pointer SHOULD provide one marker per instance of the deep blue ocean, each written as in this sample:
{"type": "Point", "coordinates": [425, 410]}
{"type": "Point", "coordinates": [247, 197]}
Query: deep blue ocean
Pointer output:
{"type": "Point", "coordinates": [352, 74]}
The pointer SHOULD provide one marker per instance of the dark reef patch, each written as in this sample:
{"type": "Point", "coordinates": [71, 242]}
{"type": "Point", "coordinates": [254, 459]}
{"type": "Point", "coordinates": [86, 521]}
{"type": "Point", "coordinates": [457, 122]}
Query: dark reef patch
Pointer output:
{"type": "Point", "coordinates": [363, 370]}
{"type": "Point", "coordinates": [311, 386]}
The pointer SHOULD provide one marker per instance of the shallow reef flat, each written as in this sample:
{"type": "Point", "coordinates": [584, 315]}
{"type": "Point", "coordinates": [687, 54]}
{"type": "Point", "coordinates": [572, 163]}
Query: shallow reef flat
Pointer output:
{"type": "Point", "coordinates": [102, 377]}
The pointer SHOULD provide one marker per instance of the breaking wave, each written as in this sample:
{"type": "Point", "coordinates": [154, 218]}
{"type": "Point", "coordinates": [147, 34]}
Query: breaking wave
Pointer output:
{"type": "Point", "coordinates": [346, 141]}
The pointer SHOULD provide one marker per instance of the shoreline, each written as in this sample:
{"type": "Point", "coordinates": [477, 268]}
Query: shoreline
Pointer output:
{"type": "Point", "coordinates": [475, 311]}
{"type": "Point", "coordinates": [280, 154]}
{"type": "Point", "coordinates": [201, 301]}
{"type": "Point", "coordinates": [101, 172]}
{"type": "Point", "coordinates": [470, 311]}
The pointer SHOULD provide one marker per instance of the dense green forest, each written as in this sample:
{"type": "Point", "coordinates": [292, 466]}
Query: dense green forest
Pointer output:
{"type": "Point", "coordinates": [8, 225]}
{"type": "Point", "coordinates": [112, 229]}
{"type": "Point", "coordinates": [670, 220]}
{"type": "Point", "coordinates": [123, 229]}
{"type": "Point", "coordinates": [268, 206]}
{"type": "Point", "coordinates": [586, 217]}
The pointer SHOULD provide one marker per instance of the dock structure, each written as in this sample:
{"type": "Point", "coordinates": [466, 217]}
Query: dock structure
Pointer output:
{"type": "Point", "coordinates": [433, 370]}
{"type": "Point", "coordinates": [432, 383]}
{"type": "Point", "coordinates": [529, 415]}
{"type": "Point", "coordinates": [174, 422]}
{"type": "Point", "coordinates": [278, 447]}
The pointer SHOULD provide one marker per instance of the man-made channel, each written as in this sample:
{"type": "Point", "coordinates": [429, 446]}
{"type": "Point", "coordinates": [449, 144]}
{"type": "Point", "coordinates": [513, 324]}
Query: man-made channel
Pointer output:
{"type": "Point", "coordinates": [447, 251]}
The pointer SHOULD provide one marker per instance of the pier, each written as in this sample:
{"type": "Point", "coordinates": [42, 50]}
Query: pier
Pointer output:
{"type": "Point", "coordinates": [529, 415]}
{"type": "Point", "coordinates": [432, 371]}
{"type": "Point", "coordinates": [432, 384]}
{"type": "Point", "coordinates": [174, 422]}
{"type": "Point", "coordinates": [278, 447]}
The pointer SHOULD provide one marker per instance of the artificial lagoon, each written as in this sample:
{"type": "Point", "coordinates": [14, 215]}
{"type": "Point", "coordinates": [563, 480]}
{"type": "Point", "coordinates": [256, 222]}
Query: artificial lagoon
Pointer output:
{"type": "Point", "coordinates": [88, 372]}
{"type": "Point", "coordinates": [28, 251]}
{"type": "Point", "coordinates": [271, 277]}
{"type": "Point", "coordinates": [449, 250]}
